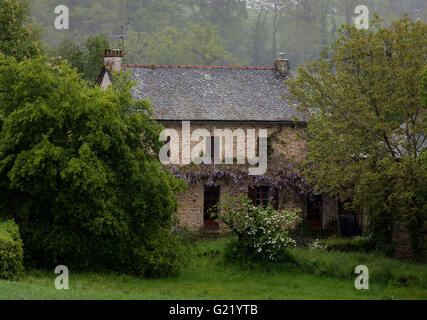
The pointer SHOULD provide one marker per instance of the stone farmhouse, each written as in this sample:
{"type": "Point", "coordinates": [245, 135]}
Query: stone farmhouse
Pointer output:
{"type": "Point", "coordinates": [217, 97]}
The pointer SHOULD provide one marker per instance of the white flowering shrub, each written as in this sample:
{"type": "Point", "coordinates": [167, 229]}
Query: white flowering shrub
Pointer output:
{"type": "Point", "coordinates": [262, 231]}
{"type": "Point", "coordinates": [317, 245]}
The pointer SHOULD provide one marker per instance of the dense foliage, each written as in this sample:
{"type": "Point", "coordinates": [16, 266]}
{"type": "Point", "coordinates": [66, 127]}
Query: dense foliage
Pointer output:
{"type": "Point", "coordinates": [262, 231]}
{"type": "Point", "coordinates": [79, 172]}
{"type": "Point", "coordinates": [253, 31]}
{"type": "Point", "coordinates": [368, 125]}
{"type": "Point", "coordinates": [424, 94]}
{"type": "Point", "coordinates": [11, 251]}
{"type": "Point", "coordinates": [88, 60]}
{"type": "Point", "coordinates": [196, 44]}
{"type": "Point", "coordinates": [17, 37]}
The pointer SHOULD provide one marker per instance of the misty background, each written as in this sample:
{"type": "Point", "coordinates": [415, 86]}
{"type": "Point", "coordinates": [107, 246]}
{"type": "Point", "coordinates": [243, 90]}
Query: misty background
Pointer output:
{"type": "Point", "coordinates": [210, 32]}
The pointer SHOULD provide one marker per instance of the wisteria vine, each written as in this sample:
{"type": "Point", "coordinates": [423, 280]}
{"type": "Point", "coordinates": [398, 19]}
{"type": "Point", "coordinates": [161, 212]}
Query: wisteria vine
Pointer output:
{"type": "Point", "coordinates": [281, 174]}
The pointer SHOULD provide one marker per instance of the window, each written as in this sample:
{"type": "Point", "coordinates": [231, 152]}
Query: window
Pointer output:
{"type": "Point", "coordinates": [264, 196]}
{"type": "Point", "coordinates": [212, 144]}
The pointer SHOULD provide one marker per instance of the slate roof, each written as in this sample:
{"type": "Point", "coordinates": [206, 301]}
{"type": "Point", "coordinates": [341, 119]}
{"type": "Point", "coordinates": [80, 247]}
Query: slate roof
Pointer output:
{"type": "Point", "coordinates": [213, 93]}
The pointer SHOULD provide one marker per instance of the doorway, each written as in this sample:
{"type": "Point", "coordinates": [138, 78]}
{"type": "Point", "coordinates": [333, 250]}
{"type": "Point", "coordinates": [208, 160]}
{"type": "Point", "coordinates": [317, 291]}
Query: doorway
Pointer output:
{"type": "Point", "coordinates": [315, 212]}
{"type": "Point", "coordinates": [211, 200]}
{"type": "Point", "coordinates": [349, 224]}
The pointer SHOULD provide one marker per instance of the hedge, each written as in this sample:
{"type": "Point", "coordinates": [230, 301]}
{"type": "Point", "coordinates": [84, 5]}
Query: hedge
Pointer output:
{"type": "Point", "coordinates": [11, 251]}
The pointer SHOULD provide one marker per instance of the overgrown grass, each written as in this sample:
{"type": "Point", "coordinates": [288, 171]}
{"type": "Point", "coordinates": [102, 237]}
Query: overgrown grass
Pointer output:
{"type": "Point", "coordinates": [357, 244]}
{"type": "Point", "coordinates": [311, 275]}
{"type": "Point", "coordinates": [341, 265]}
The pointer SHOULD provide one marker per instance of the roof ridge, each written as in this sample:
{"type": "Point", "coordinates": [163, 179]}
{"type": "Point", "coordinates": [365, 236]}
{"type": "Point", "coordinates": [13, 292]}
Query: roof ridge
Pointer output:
{"type": "Point", "coordinates": [151, 66]}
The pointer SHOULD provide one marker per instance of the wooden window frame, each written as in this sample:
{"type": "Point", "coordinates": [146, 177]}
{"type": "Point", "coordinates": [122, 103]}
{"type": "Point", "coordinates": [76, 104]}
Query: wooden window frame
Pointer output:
{"type": "Point", "coordinates": [264, 196]}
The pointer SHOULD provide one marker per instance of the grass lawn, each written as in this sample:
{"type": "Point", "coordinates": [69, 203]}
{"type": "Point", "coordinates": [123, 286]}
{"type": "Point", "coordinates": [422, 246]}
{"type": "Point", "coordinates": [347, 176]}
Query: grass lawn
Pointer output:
{"type": "Point", "coordinates": [207, 277]}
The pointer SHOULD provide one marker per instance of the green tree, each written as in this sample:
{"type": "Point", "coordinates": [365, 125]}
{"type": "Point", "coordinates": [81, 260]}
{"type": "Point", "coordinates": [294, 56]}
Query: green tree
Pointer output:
{"type": "Point", "coordinates": [80, 173]}
{"type": "Point", "coordinates": [259, 35]}
{"type": "Point", "coordinates": [17, 37]}
{"type": "Point", "coordinates": [95, 47]}
{"type": "Point", "coordinates": [206, 43]}
{"type": "Point", "coordinates": [71, 52]}
{"type": "Point", "coordinates": [368, 124]}
{"type": "Point", "coordinates": [198, 44]}
{"type": "Point", "coordinates": [87, 60]}
{"type": "Point", "coordinates": [164, 47]}
{"type": "Point", "coordinates": [230, 18]}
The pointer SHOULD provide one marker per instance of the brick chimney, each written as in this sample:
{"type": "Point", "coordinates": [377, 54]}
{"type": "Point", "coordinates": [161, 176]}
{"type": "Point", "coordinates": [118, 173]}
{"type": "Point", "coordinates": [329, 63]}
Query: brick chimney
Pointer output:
{"type": "Point", "coordinates": [114, 59]}
{"type": "Point", "coordinates": [281, 65]}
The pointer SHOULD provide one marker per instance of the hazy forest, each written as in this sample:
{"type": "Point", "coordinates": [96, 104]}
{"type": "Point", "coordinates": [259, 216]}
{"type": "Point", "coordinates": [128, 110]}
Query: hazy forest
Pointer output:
{"type": "Point", "coordinates": [209, 32]}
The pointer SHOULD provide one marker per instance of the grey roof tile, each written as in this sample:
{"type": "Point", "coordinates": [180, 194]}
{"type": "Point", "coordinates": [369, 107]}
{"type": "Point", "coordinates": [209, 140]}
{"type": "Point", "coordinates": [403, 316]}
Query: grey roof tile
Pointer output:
{"type": "Point", "coordinates": [212, 93]}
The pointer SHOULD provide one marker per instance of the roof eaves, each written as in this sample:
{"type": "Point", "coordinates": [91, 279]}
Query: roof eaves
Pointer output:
{"type": "Point", "coordinates": [293, 122]}
{"type": "Point", "coordinates": [154, 66]}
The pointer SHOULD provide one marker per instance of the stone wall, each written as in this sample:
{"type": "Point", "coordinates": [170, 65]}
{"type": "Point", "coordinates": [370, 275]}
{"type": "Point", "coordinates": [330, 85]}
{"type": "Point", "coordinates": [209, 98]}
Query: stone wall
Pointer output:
{"type": "Point", "coordinates": [190, 210]}
{"type": "Point", "coordinates": [288, 141]}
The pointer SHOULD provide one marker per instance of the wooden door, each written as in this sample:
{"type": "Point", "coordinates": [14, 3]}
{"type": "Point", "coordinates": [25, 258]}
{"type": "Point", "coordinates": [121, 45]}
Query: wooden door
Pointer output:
{"type": "Point", "coordinates": [211, 199]}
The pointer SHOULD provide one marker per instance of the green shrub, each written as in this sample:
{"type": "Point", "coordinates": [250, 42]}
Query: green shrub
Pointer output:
{"type": "Point", "coordinates": [237, 253]}
{"type": "Point", "coordinates": [11, 252]}
{"type": "Point", "coordinates": [81, 173]}
{"type": "Point", "coordinates": [262, 232]}
{"type": "Point", "coordinates": [358, 244]}
{"type": "Point", "coordinates": [161, 256]}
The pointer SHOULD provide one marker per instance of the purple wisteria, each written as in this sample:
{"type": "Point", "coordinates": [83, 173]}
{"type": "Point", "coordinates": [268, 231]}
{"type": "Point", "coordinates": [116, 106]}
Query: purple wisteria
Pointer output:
{"type": "Point", "coordinates": [281, 174]}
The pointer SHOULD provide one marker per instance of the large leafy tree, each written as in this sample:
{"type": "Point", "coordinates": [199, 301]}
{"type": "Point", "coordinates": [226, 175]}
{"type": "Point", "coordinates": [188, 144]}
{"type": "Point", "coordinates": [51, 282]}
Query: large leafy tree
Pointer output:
{"type": "Point", "coordinates": [206, 44]}
{"type": "Point", "coordinates": [71, 51]}
{"type": "Point", "coordinates": [79, 172]}
{"type": "Point", "coordinates": [164, 47]}
{"type": "Point", "coordinates": [87, 60]}
{"type": "Point", "coordinates": [17, 37]}
{"type": "Point", "coordinates": [197, 44]}
{"type": "Point", "coordinates": [230, 18]}
{"type": "Point", "coordinates": [95, 47]}
{"type": "Point", "coordinates": [368, 124]}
